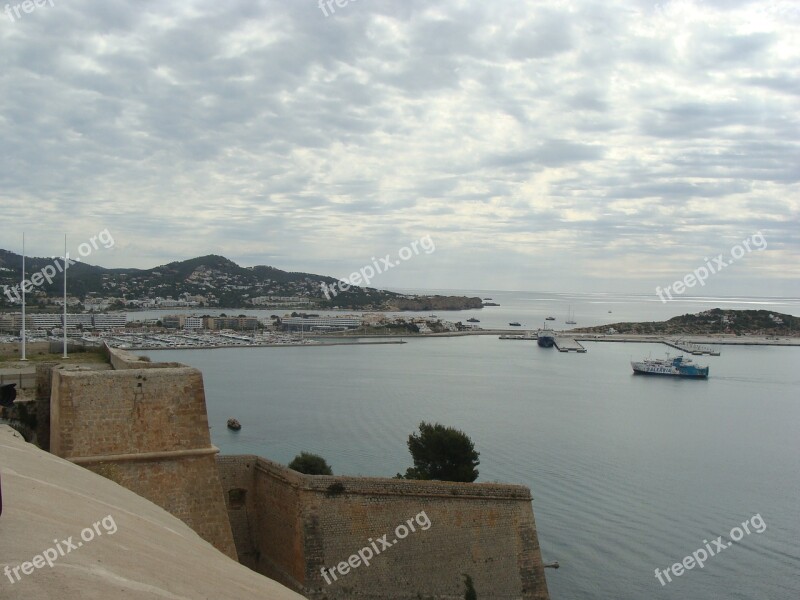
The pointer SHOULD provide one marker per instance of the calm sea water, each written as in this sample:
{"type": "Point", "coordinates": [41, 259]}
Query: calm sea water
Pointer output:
{"type": "Point", "coordinates": [531, 308]}
{"type": "Point", "coordinates": [628, 473]}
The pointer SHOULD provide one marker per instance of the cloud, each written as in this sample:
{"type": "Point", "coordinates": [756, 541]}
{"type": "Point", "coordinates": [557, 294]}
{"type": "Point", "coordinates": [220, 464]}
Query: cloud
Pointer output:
{"type": "Point", "coordinates": [523, 136]}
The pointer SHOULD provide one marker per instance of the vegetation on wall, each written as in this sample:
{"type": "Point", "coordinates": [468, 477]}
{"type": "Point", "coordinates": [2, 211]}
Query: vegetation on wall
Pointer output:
{"type": "Point", "coordinates": [442, 453]}
{"type": "Point", "coordinates": [310, 464]}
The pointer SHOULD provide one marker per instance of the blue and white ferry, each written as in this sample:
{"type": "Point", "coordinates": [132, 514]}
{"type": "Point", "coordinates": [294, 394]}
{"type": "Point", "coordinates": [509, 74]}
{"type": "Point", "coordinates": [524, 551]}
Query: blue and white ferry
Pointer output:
{"type": "Point", "coordinates": [677, 367]}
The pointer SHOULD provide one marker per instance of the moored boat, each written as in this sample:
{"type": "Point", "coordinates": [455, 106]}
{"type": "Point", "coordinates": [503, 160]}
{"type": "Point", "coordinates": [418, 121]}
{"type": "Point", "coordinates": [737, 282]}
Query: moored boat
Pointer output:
{"type": "Point", "coordinates": [515, 324]}
{"type": "Point", "coordinates": [676, 367]}
{"type": "Point", "coordinates": [546, 338]}
{"type": "Point", "coordinates": [234, 424]}
{"type": "Point", "coordinates": [570, 317]}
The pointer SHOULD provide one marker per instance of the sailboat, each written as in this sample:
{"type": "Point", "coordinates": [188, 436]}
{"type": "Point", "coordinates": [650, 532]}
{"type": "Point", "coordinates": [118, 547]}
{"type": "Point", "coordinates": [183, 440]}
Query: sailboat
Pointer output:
{"type": "Point", "coordinates": [570, 318]}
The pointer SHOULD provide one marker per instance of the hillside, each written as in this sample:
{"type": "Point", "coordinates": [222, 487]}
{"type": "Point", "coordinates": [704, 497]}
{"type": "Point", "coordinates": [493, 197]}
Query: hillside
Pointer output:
{"type": "Point", "coordinates": [213, 280]}
{"type": "Point", "coordinates": [716, 320]}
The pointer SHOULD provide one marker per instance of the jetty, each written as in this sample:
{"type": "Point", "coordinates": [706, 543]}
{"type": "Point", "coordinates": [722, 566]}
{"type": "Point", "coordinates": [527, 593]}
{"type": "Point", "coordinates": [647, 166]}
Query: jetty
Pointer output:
{"type": "Point", "coordinates": [568, 344]}
{"type": "Point", "coordinates": [527, 336]}
{"type": "Point", "coordinates": [691, 348]}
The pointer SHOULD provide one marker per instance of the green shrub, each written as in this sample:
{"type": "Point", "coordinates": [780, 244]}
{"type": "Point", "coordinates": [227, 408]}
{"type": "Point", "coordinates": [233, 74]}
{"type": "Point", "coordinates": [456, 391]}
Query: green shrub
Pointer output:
{"type": "Point", "coordinates": [310, 464]}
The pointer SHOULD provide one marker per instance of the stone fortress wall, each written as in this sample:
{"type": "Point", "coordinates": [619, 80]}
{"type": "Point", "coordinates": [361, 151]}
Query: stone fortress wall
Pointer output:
{"type": "Point", "coordinates": [144, 425]}
{"type": "Point", "coordinates": [288, 526]}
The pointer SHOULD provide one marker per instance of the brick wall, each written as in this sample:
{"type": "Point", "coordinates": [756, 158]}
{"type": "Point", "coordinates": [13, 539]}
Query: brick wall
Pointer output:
{"type": "Point", "coordinates": [131, 411]}
{"type": "Point", "coordinates": [299, 524]}
{"type": "Point", "coordinates": [237, 476]}
{"type": "Point", "coordinates": [31, 348]}
{"type": "Point", "coordinates": [44, 378]}
{"type": "Point", "coordinates": [146, 429]}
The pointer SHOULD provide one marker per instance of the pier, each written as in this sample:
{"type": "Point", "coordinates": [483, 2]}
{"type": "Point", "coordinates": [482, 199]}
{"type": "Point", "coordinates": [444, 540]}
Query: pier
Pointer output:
{"type": "Point", "coordinates": [528, 336]}
{"type": "Point", "coordinates": [691, 348]}
{"type": "Point", "coordinates": [568, 344]}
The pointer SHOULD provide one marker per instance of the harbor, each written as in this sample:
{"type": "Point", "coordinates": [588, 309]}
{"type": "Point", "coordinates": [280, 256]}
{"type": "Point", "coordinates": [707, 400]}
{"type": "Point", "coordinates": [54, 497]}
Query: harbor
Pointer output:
{"type": "Point", "coordinates": [696, 345]}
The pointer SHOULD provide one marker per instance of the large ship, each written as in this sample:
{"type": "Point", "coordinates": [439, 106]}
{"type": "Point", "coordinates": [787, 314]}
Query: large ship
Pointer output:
{"type": "Point", "coordinates": [546, 338]}
{"type": "Point", "coordinates": [677, 367]}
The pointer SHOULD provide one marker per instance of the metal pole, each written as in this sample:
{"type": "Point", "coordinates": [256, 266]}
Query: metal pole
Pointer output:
{"type": "Point", "coordinates": [65, 296]}
{"type": "Point", "coordinates": [22, 285]}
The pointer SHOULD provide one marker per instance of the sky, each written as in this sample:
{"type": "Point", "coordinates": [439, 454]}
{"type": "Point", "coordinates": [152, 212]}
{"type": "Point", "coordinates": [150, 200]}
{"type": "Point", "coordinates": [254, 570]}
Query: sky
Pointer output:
{"type": "Point", "coordinates": [575, 146]}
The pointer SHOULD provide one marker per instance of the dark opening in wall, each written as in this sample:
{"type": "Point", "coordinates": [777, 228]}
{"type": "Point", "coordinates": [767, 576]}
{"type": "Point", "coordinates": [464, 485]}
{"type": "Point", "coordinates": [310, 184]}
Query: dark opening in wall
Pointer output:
{"type": "Point", "coordinates": [236, 498]}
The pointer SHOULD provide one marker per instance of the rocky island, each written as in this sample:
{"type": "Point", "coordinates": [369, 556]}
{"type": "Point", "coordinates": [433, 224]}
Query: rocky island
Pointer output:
{"type": "Point", "coordinates": [716, 321]}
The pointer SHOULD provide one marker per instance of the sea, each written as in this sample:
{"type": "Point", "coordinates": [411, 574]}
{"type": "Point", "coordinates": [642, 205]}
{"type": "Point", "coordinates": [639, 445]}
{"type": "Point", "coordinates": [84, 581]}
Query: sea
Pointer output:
{"type": "Point", "coordinates": [629, 474]}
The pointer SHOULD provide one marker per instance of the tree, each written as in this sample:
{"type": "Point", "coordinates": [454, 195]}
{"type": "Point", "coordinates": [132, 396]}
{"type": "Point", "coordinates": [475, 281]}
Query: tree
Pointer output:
{"type": "Point", "coordinates": [310, 464]}
{"type": "Point", "coordinates": [442, 453]}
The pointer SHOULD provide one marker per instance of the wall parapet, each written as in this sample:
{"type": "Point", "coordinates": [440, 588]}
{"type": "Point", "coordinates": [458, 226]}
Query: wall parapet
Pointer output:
{"type": "Point", "coordinates": [383, 486]}
{"type": "Point", "coordinates": [293, 528]}
{"type": "Point", "coordinates": [122, 360]}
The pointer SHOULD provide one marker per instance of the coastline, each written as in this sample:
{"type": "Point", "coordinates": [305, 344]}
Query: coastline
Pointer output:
{"type": "Point", "coordinates": [519, 335]}
{"type": "Point", "coordinates": [366, 340]}
{"type": "Point", "coordinates": [310, 345]}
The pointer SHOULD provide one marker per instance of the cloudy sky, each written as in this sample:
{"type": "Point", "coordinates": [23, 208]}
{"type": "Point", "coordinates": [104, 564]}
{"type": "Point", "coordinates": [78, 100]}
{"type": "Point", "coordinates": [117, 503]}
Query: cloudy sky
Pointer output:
{"type": "Point", "coordinates": [589, 145]}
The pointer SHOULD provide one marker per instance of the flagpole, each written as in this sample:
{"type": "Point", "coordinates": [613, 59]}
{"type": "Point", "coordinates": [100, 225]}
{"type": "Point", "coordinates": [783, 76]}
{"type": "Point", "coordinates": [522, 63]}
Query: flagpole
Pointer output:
{"type": "Point", "coordinates": [65, 296]}
{"type": "Point", "coordinates": [22, 285]}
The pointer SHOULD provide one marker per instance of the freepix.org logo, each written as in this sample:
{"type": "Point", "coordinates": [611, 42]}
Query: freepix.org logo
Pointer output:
{"type": "Point", "coordinates": [60, 549]}
{"type": "Point", "coordinates": [699, 557]}
{"type": "Point", "coordinates": [26, 7]}
{"type": "Point", "coordinates": [366, 554]}
{"type": "Point", "coordinates": [365, 274]}
{"type": "Point", "coordinates": [328, 5]}
{"type": "Point", "coordinates": [701, 274]}
{"type": "Point", "coordinates": [46, 274]}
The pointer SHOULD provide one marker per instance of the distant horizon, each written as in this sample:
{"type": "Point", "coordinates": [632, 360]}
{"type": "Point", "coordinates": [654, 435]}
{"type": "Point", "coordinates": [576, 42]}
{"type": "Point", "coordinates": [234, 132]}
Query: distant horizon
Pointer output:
{"type": "Point", "coordinates": [407, 288]}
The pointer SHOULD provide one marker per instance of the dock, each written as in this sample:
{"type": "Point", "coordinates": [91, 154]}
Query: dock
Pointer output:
{"type": "Point", "coordinates": [691, 348]}
{"type": "Point", "coordinates": [568, 344]}
{"type": "Point", "coordinates": [528, 336]}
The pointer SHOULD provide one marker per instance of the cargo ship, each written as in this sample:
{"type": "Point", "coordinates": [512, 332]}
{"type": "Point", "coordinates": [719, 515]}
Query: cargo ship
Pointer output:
{"type": "Point", "coordinates": [677, 367]}
{"type": "Point", "coordinates": [546, 338]}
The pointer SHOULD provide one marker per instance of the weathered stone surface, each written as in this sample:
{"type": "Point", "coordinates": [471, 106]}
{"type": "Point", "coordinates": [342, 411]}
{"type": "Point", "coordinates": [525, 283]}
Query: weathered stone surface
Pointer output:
{"type": "Point", "coordinates": [147, 554]}
{"type": "Point", "coordinates": [297, 524]}
{"type": "Point", "coordinates": [147, 429]}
